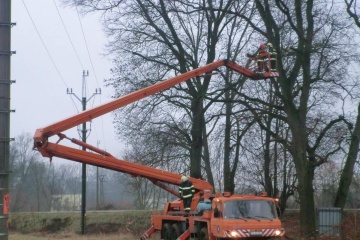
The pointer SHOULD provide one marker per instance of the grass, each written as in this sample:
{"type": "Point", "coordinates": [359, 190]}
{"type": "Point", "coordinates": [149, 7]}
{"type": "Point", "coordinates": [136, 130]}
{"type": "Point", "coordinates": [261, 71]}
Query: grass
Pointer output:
{"type": "Point", "coordinates": [70, 236]}
{"type": "Point", "coordinates": [110, 222]}
{"type": "Point", "coordinates": [106, 225]}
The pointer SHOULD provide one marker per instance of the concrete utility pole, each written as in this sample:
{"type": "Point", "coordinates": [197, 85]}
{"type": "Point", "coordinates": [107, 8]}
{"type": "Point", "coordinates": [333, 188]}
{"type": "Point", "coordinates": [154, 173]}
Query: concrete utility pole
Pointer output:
{"type": "Point", "coordinates": [83, 101]}
{"type": "Point", "coordinates": [5, 82]}
{"type": "Point", "coordinates": [97, 183]}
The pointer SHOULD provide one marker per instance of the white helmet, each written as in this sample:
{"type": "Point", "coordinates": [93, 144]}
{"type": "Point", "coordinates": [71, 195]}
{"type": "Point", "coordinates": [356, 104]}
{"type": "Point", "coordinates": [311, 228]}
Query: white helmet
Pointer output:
{"type": "Point", "coordinates": [184, 178]}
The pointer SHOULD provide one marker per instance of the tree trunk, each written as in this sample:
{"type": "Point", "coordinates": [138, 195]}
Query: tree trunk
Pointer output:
{"type": "Point", "coordinates": [305, 174]}
{"type": "Point", "coordinates": [196, 136]}
{"type": "Point", "coordinates": [267, 160]}
{"type": "Point", "coordinates": [307, 205]}
{"type": "Point", "coordinates": [275, 185]}
{"type": "Point", "coordinates": [209, 175]}
{"type": "Point", "coordinates": [228, 180]}
{"type": "Point", "coordinates": [284, 195]}
{"type": "Point", "coordinates": [348, 171]}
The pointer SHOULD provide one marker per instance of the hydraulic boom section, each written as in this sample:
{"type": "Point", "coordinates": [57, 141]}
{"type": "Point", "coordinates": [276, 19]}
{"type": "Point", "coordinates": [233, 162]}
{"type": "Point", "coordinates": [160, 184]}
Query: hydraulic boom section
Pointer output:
{"type": "Point", "coordinates": [42, 134]}
{"type": "Point", "coordinates": [103, 159]}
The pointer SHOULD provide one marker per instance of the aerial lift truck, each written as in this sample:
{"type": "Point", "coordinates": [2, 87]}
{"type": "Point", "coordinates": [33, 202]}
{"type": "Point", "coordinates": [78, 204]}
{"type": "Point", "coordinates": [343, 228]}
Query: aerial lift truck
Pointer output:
{"type": "Point", "coordinates": [230, 216]}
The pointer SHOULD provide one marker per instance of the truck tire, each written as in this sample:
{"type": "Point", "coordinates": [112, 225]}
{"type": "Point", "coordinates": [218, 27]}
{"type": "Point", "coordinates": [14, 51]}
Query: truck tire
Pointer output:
{"type": "Point", "coordinates": [166, 231]}
{"type": "Point", "coordinates": [203, 234]}
{"type": "Point", "coordinates": [175, 231]}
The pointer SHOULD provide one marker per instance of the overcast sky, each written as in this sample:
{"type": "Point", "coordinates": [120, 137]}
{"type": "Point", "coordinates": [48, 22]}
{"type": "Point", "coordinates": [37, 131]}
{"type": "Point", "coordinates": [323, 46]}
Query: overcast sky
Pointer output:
{"type": "Point", "coordinates": [39, 94]}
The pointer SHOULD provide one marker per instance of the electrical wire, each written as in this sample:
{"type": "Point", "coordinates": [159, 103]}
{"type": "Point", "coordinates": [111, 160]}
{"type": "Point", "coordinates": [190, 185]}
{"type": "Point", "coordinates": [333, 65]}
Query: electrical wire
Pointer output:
{"type": "Point", "coordinates": [78, 58]}
{"type": "Point", "coordinates": [72, 44]}
{"type": "Point", "coordinates": [67, 33]}
{"type": "Point", "coordinates": [42, 41]}
{"type": "Point", "coordinates": [87, 47]}
{"type": "Point", "coordinates": [46, 49]}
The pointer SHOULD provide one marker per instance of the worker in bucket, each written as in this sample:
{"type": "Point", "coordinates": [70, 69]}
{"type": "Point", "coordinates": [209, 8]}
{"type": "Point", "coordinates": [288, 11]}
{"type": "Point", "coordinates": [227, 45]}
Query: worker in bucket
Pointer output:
{"type": "Point", "coordinates": [186, 191]}
{"type": "Point", "coordinates": [272, 54]}
{"type": "Point", "coordinates": [259, 57]}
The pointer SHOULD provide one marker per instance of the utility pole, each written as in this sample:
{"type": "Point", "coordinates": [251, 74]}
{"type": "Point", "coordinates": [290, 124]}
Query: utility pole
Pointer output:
{"type": "Point", "coordinates": [5, 82]}
{"type": "Point", "coordinates": [83, 101]}
{"type": "Point", "coordinates": [97, 183]}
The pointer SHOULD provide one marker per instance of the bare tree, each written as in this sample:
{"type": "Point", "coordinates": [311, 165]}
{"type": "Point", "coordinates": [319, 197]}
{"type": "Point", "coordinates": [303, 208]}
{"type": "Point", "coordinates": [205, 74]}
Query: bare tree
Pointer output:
{"type": "Point", "coordinates": [170, 37]}
{"type": "Point", "coordinates": [54, 184]}
{"type": "Point", "coordinates": [307, 37]}
{"type": "Point", "coordinates": [37, 177]}
{"type": "Point", "coordinates": [71, 183]}
{"type": "Point", "coordinates": [325, 184]}
{"type": "Point", "coordinates": [151, 153]}
{"type": "Point", "coordinates": [22, 157]}
{"type": "Point", "coordinates": [348, 171]}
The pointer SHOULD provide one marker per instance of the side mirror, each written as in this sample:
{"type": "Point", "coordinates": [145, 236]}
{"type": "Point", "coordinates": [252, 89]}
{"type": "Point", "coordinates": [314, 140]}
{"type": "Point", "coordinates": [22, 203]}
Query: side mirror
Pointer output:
{"type": "Point", "coordinates": [216, 212]}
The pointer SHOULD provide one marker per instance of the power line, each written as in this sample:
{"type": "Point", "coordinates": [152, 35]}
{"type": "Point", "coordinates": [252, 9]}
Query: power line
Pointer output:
{"type": "Point", "coordinates": [67, 33]}
{"type": "Point", "coordinates": [47, 50]}
{"type": "Point", "coordinates": [52, 60]}
{"type": "Point", "coordinates": [42, 41]}
{"type": "Point", "coordinates": [87, 48]}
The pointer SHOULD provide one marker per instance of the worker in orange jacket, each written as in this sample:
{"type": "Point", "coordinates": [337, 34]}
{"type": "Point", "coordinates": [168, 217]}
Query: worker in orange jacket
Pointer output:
{"type": "Point", "coordinates": [186, 191]}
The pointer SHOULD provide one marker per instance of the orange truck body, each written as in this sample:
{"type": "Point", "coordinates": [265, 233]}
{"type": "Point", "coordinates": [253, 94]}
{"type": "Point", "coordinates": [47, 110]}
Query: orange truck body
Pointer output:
{"type": "Point", "coordinates": [173, 223]}
{"type": "Point", "coordinates": [204, 226]}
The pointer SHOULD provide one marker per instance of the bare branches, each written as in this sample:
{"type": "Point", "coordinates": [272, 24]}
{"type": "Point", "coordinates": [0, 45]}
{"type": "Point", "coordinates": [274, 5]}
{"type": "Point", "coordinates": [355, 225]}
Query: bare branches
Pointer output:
{"type": "Point", "coordinates": [351, 10]}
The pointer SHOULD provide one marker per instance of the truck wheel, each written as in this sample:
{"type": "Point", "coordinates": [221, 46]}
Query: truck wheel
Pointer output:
{"type": "Point", "coordinates": [166, 231]}
{"type": "Point", "coordinates": [203, 234]}
{"type": "Point", "coordinates": [175, 233]}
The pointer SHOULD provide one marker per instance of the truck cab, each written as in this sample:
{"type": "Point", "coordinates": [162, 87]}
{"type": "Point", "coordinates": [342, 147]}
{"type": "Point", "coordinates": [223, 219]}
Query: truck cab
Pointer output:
{"type": "Point", "coordinates": [245, 216]}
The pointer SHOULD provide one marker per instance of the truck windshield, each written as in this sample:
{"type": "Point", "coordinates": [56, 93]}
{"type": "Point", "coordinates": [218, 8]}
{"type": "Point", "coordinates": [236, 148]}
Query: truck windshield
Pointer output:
{"type": "Point", "coordinates": [249, 209]}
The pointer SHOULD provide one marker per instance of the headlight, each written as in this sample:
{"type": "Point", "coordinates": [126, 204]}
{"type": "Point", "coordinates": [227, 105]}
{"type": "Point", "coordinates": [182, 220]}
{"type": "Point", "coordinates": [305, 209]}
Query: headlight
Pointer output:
{"type": "Point", "coordinates": [232, 233]}
{"type": "Point", "coordinates": [277, 232]}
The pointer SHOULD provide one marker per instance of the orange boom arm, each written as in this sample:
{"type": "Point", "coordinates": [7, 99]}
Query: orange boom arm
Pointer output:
{"type": "Point", "coordinates": [98, 157]}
